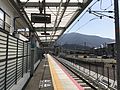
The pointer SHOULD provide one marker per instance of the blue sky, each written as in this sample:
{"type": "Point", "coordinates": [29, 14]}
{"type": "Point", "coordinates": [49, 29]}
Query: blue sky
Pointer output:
{"type": "Point", "coordinates": [92, 25]}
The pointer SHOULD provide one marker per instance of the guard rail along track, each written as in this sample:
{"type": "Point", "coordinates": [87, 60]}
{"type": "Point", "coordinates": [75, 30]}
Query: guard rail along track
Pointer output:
{"type": "Point", "coordinates": [86, 79]}
{"type": "Point", "coordinates": [81, 80]}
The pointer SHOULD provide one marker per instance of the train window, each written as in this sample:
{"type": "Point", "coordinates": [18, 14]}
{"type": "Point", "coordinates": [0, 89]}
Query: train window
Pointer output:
{"type": "Point", "coordinates": [1, 19]}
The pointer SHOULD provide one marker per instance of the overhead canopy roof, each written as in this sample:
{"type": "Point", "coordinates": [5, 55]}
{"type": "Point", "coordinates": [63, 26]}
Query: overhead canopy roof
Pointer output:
{"type": "Point", "coordinates": [63, 13]}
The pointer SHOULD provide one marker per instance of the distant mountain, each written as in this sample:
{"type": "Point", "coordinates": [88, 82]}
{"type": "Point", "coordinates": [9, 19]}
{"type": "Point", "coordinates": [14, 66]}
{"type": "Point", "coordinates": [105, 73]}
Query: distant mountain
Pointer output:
{"type": "Point", "coordinates": [81, 39]}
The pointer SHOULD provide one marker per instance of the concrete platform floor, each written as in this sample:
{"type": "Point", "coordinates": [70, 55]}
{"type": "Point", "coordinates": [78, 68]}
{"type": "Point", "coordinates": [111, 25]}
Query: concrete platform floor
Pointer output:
{"type": "Point", "coordinates": [41, 79]}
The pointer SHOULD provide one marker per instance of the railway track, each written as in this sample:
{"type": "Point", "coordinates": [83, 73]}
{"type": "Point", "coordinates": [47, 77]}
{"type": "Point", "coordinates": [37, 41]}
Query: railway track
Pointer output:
{"type": "Point", "coordinates": [82, 82]}
{"type": "Point", "coordinates": [77, 77]}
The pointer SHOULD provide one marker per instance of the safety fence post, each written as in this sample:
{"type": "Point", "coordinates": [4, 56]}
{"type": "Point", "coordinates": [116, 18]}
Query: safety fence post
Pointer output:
{"type": "Point", "coordinates": [6, 62]}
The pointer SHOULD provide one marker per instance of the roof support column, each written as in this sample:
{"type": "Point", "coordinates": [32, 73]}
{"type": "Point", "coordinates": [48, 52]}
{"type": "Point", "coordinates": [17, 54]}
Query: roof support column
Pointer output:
{"type": "Point", "coordinates": [32, 50]}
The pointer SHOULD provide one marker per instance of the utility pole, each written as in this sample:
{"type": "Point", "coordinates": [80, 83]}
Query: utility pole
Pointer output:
{"type": "Point", "coordinates": [117, 39]}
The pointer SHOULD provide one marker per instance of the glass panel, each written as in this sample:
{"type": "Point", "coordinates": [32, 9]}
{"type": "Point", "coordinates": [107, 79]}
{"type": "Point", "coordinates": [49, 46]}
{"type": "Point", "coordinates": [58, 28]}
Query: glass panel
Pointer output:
{"type": "Point", "coordinates": [7, 19]}
{"type": "Point", "coordinates": [1, 15]}
{"type": "Point", "coordinates": [7, 23]}
{"type": "Point", "coordinates": [1, 18]}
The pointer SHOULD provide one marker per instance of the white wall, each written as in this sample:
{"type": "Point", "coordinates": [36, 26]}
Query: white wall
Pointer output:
{"type": "Point", "coordinates": [8, 8]}
{"type": "Point", "coordinates": [37, 44]}
{"type": "Point", "coordinates": [22, 37]}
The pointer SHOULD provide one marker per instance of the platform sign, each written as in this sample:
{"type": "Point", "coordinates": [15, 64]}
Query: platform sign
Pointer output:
{"type": "Point", "coordinates": [40, 18]}
{"type": "Point", "coordinates": [45, 83]}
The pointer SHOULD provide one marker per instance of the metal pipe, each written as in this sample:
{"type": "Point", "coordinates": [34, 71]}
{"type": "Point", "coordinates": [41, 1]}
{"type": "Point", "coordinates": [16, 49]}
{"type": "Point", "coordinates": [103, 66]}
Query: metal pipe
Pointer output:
{"type": "Point", "coordinates": [14, 25]}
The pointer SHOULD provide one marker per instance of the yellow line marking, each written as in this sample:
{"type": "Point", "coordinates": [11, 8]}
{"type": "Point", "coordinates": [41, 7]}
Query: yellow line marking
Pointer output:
{"type": "Point", "coordinates": [56, 82]}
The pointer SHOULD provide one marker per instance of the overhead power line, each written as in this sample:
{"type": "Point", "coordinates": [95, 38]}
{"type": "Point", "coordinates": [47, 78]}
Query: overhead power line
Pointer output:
{"type": "Point", "coordinates": [96, 13]}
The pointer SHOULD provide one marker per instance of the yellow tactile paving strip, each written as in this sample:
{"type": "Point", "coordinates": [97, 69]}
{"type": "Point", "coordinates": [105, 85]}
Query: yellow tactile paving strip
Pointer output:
{"type": "Point", "coordinates": [56, 82]}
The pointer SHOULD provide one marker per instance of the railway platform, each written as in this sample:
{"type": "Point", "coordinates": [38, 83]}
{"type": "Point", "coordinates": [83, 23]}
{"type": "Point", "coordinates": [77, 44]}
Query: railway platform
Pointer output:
{"type": "Point", "coordinates": [51, 75]}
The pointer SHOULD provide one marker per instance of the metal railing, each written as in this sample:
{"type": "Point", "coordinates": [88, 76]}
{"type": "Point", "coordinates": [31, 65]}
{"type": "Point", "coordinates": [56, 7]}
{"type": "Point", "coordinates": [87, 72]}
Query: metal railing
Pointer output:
{"type": "Point", "coordinates": [14, 60]}
{"type": "Point", "coordinates": [100, 71]}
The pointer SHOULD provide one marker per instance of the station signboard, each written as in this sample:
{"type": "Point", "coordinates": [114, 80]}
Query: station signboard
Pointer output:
{"type": "Point", "coordinates": [40, 18]}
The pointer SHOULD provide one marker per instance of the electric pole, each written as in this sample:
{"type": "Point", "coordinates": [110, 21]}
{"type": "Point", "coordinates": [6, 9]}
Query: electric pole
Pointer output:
{"type": "Point", "coordinates": [117, 39]}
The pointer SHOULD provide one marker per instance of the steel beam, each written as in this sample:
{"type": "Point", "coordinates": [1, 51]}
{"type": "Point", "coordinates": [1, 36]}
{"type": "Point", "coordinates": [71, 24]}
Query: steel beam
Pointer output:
{"type": "Point", "coordinates": [50, 36]}
{"type": "Point", "coordinates": [48, 28]}
{"type": "Point", "coordinates": [52, 4]}
{"type": "Point", "coordinates": [21, 13]}
{"type": "Point", "coordinates": [78, 12]}
{"type": "Point", "coordinates": [23, 16]}
{"type": "Point", "coordinates": [57, 23]}
{"type": "Point", "coordinates": [47, 39]}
